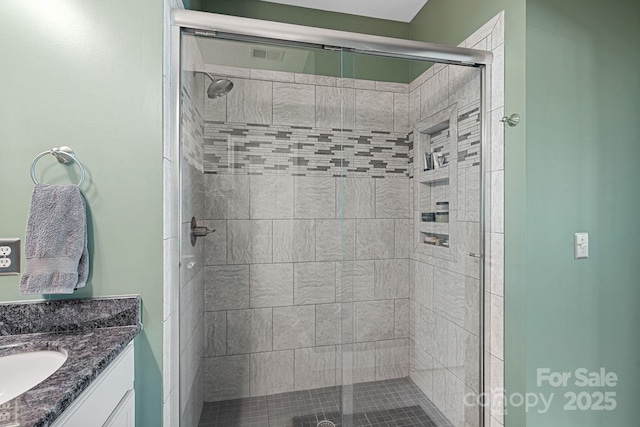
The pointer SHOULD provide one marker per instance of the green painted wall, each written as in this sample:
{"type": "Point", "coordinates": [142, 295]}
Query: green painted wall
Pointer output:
{"type": "Point", "coordinates": [325, 63]}
{"type": "Point", "coordinates": [193, 4]}
{"type": "Point", "coordinates": [450, 22]}
{"type": "Point", "coordinates": [303, 16]}
{"type": "Point", "coordinates": [583, 149]}
{"type": "Point", "coordinates": [88, 74]}
{"type": "Point", "coordinates": [359, 66]}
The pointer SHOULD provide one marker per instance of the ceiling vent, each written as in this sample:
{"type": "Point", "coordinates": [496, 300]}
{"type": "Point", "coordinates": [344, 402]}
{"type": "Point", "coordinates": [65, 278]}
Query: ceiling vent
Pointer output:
{"type": "Point", "coordinates": [268, 54]}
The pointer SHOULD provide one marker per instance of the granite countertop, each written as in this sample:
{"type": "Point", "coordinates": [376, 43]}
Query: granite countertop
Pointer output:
{"type": "Point", "coordinates": [93, 332]}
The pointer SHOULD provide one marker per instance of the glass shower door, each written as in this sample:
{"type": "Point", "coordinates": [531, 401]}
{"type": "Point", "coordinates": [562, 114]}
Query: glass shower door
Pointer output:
{"type": "Point", "coordinates": [337, 277]}
{"type": "Point", "coordinates": [261, 332]}
{"type": "Point", "coordinates": [412, 203]}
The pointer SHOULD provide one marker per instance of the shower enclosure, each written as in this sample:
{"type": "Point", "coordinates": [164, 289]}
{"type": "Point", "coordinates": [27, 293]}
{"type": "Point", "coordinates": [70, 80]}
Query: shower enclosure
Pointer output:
{"type": "Point", "coordinates": [332, 228]}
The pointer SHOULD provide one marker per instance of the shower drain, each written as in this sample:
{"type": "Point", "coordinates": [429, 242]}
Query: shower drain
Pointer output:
{"type": "Point", "coordinates": [326, 423]}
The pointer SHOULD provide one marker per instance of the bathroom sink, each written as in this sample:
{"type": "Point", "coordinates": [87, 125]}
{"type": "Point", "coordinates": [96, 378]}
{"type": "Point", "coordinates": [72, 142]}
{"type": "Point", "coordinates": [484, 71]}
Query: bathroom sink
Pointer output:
{"type": "Point", "coordinates": [21, 372]}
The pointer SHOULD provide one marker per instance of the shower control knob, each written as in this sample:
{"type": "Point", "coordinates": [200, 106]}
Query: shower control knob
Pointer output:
{"type": "Point", "coordinates": [198, 230]}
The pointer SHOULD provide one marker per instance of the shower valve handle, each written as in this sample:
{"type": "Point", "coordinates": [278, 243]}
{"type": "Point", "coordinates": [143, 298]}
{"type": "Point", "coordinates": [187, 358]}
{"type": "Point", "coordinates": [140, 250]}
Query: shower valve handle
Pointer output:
{"type": "Point", "coordinates": [202, 231]}
{"type": "Point", "coordinates": [199, 231]}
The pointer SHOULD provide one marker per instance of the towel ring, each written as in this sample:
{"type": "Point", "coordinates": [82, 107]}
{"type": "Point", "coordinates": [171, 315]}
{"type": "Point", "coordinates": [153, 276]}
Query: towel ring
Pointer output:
{"type": "Point", "coordinates": [64, 155]}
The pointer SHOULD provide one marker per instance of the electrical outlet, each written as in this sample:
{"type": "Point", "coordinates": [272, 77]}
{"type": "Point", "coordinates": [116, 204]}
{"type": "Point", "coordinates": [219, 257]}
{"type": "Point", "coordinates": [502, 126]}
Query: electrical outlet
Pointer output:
{"type": "Point", "coordinates": [9, 256]}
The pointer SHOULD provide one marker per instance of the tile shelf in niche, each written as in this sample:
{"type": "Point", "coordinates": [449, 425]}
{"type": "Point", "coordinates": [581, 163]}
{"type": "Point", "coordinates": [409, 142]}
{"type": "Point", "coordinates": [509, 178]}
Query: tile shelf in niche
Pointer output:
{"type": "Point", "coordinates": [441, 228]}
{"type": "Point", "coordinates": [439, 216]}
{"type": "Point", "coordinates": [434, 176]}
{"type": "Point", "coordinates": [437, 133]}
{"type": "Point", "coordinates": [435, 239]}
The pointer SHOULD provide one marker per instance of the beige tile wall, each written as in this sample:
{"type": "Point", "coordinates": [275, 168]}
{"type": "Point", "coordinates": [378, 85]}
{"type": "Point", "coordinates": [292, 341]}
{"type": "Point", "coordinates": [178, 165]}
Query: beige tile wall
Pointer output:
{"type": "Point", "coordinates": [280, 299]}
{"type": "Point", "coordinates": [301, 267]}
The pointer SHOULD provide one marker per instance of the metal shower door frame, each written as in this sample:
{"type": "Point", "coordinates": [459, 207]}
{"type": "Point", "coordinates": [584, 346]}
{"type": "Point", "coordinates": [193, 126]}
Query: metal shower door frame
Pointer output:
{"type": "Point", "coordinates": [246, 29]}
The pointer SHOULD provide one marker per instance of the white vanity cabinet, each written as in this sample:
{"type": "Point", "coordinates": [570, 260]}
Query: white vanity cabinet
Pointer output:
{"type": "Point", "coordinates": [108, 401]}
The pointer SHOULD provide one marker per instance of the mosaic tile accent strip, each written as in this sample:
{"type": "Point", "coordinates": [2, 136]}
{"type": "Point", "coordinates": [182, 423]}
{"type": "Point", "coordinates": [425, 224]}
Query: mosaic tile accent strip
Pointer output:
{"type": "Point", "coordinates": [411, 141]}
{"type": "Point", "coordinates": [304, 151]}
{"type": "Point", "coordinates": [397, 402]}
{"type": "Point", "coordinates": [469, 135]}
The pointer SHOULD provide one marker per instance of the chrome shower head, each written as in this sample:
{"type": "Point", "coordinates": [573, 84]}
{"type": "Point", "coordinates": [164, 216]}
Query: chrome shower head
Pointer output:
{"type": "Point", "coordinates": [218, 87]}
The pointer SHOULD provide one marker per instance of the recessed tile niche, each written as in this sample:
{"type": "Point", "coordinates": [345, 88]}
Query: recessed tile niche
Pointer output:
{"type": "Point", "coordinates": [436, 170]}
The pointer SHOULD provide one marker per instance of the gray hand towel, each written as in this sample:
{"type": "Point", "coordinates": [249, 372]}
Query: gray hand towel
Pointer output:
{"type": "Point", "coordinates": [57, 260]}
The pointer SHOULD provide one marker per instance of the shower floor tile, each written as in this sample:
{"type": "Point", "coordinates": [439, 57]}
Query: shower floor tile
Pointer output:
{"type": "Point", "coordinates": [396, 402]}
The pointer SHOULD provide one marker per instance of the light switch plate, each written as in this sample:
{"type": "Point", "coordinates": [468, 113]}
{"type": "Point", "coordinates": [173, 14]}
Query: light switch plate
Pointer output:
{"type": "Point", "coordinates": [9, 256]}
{"type": "Point", "coordinates": [581, 245]}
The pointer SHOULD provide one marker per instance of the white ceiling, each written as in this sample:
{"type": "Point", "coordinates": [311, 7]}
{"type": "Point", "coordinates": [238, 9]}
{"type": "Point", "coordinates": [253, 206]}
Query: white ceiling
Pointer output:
{"type": "Point", "coordinates": [395, 10]}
